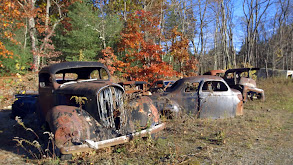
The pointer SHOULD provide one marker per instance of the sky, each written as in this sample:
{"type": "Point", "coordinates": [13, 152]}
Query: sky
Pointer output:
{"type": "Point", "coordinates": [239, 14]}
{"type": "Point", "coordinates": [238, 21]}
{"type": "Point", "coordinates": [238, 30]}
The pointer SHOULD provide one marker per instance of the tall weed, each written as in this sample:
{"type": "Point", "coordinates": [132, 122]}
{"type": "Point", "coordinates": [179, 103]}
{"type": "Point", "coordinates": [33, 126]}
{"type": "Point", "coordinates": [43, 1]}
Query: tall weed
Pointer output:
{"type": "Point", "coordinates": [36, 147]}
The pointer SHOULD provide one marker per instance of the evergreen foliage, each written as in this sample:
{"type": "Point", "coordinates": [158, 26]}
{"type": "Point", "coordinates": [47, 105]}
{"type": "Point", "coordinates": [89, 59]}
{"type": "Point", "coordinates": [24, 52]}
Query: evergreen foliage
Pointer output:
{"type": "Point", "coordinates": [85, 32]}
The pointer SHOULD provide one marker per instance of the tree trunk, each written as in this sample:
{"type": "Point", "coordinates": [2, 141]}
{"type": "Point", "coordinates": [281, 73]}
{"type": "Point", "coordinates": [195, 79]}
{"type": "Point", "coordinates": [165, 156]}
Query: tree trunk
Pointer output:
{"type": "Point", "coordinates": [32, 31]}
{"type": "Point", "coordinates": [201, 36]}
{"type": "Point", "coordinates": [103, 36]}
{"type": "Point", "coordinates": [46, 26]}
{"type": "Point", "coordinates": [25, 34]}
{"type": "Point", "coordinates": [216, 42]}
{"type": "Point", "coordinates": [226, 58]}
{"type": "Point", "coordinates": [162, 23]}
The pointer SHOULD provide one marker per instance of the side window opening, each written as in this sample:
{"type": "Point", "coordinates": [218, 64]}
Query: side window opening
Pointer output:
{"type": "Point", "coordinates": [207, 86]}
{"type": "Point", "coordinates": [214, 86]}
{"type": "Point", "coordinates": [140, 86]}
{"type": "Point", "coordinates": [191, 87]}
{"type": "Point", "coordinates": [95, 74]}
{"type": "Point", "coordinates": [100, 74]}
{"type": "Point", "coordinates": [62, 78]}
{"type": "Point", "coordinates": [159, 85]}
{"type": "Point", "coordinates": [104, 74]}
{"type": "Point", "coordinates": [244, 74]}
{"type": "Point", "coordinates": [230, 75]}
{"type": "Point", "coordinates": [44, 80]}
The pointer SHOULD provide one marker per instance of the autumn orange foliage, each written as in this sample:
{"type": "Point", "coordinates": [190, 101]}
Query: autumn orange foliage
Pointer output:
{"type": "Point", "coordinates": [179, 50]}
{"type": "Point", "coordinates": [143, 57]}
{"type": "Point", "coordinates": [111, 61]}
{"type": "Point", "coordinates": [9, 16]}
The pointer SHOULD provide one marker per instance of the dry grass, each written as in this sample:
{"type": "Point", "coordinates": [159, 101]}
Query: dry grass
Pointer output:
{"type": "Point", "coordinates": [265, 128]}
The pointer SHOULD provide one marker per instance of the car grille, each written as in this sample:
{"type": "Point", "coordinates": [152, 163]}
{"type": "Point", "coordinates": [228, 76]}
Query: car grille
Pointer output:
{"type": "Point", "coordinates": [110, 107]}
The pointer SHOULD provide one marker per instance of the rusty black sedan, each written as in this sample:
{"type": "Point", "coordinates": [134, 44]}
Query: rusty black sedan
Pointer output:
{"type": "Point", "coordinates": [85, 110]}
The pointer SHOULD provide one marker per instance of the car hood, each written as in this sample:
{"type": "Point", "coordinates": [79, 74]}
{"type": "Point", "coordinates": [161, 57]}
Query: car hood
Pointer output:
{"type": "Point", "coordinates": [85, 88]}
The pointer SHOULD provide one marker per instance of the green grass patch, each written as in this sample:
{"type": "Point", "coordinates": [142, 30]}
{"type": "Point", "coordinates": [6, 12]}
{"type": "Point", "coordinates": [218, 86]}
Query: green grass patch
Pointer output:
{"type": "Point", "coordinates": [288, 105]}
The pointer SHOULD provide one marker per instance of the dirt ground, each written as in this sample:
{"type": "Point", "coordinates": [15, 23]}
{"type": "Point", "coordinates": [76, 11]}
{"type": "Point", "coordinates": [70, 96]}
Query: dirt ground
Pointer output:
{"type": "Point", "coordinates": [263, 135]}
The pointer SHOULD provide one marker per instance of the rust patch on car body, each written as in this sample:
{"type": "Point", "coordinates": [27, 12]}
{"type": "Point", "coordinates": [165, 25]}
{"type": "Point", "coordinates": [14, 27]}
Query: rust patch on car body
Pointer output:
{"type": "Point", "coordinates": [161, 85]}
{"type": "Point", "coordinates": [215, 72]}
{"type": "Point", "coordinates": [241, 80]}
{"type": "Point", "coordinates": [132, 87]}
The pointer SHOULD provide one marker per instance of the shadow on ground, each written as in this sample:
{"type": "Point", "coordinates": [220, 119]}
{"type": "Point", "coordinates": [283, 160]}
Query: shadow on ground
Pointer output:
{"type": "Point", "coordinates": [10, 129]}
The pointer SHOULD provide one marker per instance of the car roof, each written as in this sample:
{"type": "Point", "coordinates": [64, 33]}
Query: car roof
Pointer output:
{"type": "Point", "coordinates": [200, 78]}
{"type": "Point", "coordinates": [214, 72]}
{"type": "Point", "coordinates": [241, 70]}
{"type": "Point", "coordinates": [53, 68]}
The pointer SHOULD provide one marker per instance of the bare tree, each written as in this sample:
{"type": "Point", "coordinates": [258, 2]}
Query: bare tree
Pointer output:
{"type": "Point", "coordinates": [230, 26]}
{"type": "Point", "coordinates": [253, 12]}
{"type": "Point", "coordinates": [224, 53]}
{"type": "Point", "coordinates": [282, 19]}
{"type": "Point", "coordinates": [202, 10]}
{"type": "Point", "coordinates": [29, 8]}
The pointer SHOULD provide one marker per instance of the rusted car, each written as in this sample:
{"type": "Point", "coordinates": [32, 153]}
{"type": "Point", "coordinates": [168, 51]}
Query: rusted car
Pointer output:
{"type": "Point", "coordinates": [161, 85]}
{"type": "Point", "coordinates": [241, 80]}
{"type": "Point", "coordinates": [205, 96]}
{"type": "Point", "coordinates": [215, 73]}
{"type": "Point", "coordinates": [132, 87]}
{"type": "Point", "coordinates": [85, 110]}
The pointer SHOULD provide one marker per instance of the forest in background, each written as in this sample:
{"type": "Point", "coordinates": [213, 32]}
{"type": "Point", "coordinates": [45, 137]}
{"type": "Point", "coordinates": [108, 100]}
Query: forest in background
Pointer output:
{"type": "Point", "coordinates": [146, 39]}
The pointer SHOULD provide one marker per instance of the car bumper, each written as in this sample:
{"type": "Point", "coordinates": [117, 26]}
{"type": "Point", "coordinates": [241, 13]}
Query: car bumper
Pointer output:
{"type": "Point", "coordinates": [90, 144]}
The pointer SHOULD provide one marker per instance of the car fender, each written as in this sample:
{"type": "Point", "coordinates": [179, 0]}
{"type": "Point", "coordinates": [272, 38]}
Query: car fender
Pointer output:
{"type": "Point", "coordinates": [143, 112]}
{"type": "Point", "coordinates": [72, 126]}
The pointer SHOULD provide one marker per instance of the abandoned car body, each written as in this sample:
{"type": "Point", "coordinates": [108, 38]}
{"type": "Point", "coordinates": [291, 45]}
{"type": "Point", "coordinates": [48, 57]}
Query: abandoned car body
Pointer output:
{"type": "Point", "coordinates": [215, 72]}
{"type": "Point", "coordinates": [241, 80]}
{"type": "Point", "coordinates": [205, 96]}
{"type": "Point", "coordinates": [161, 85]}
{"type": "Point", "coordinates": [132, 87]}
{"type": "Point", "coordinates": [83, 107]}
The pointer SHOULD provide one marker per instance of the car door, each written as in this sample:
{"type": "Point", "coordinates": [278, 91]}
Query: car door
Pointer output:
{"type": "Point", "coordinates": [45, 94]}
{"type": "Point", "coordinates": [189, 99]}
{"type": "Point", "coordinates": [216, 100]}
